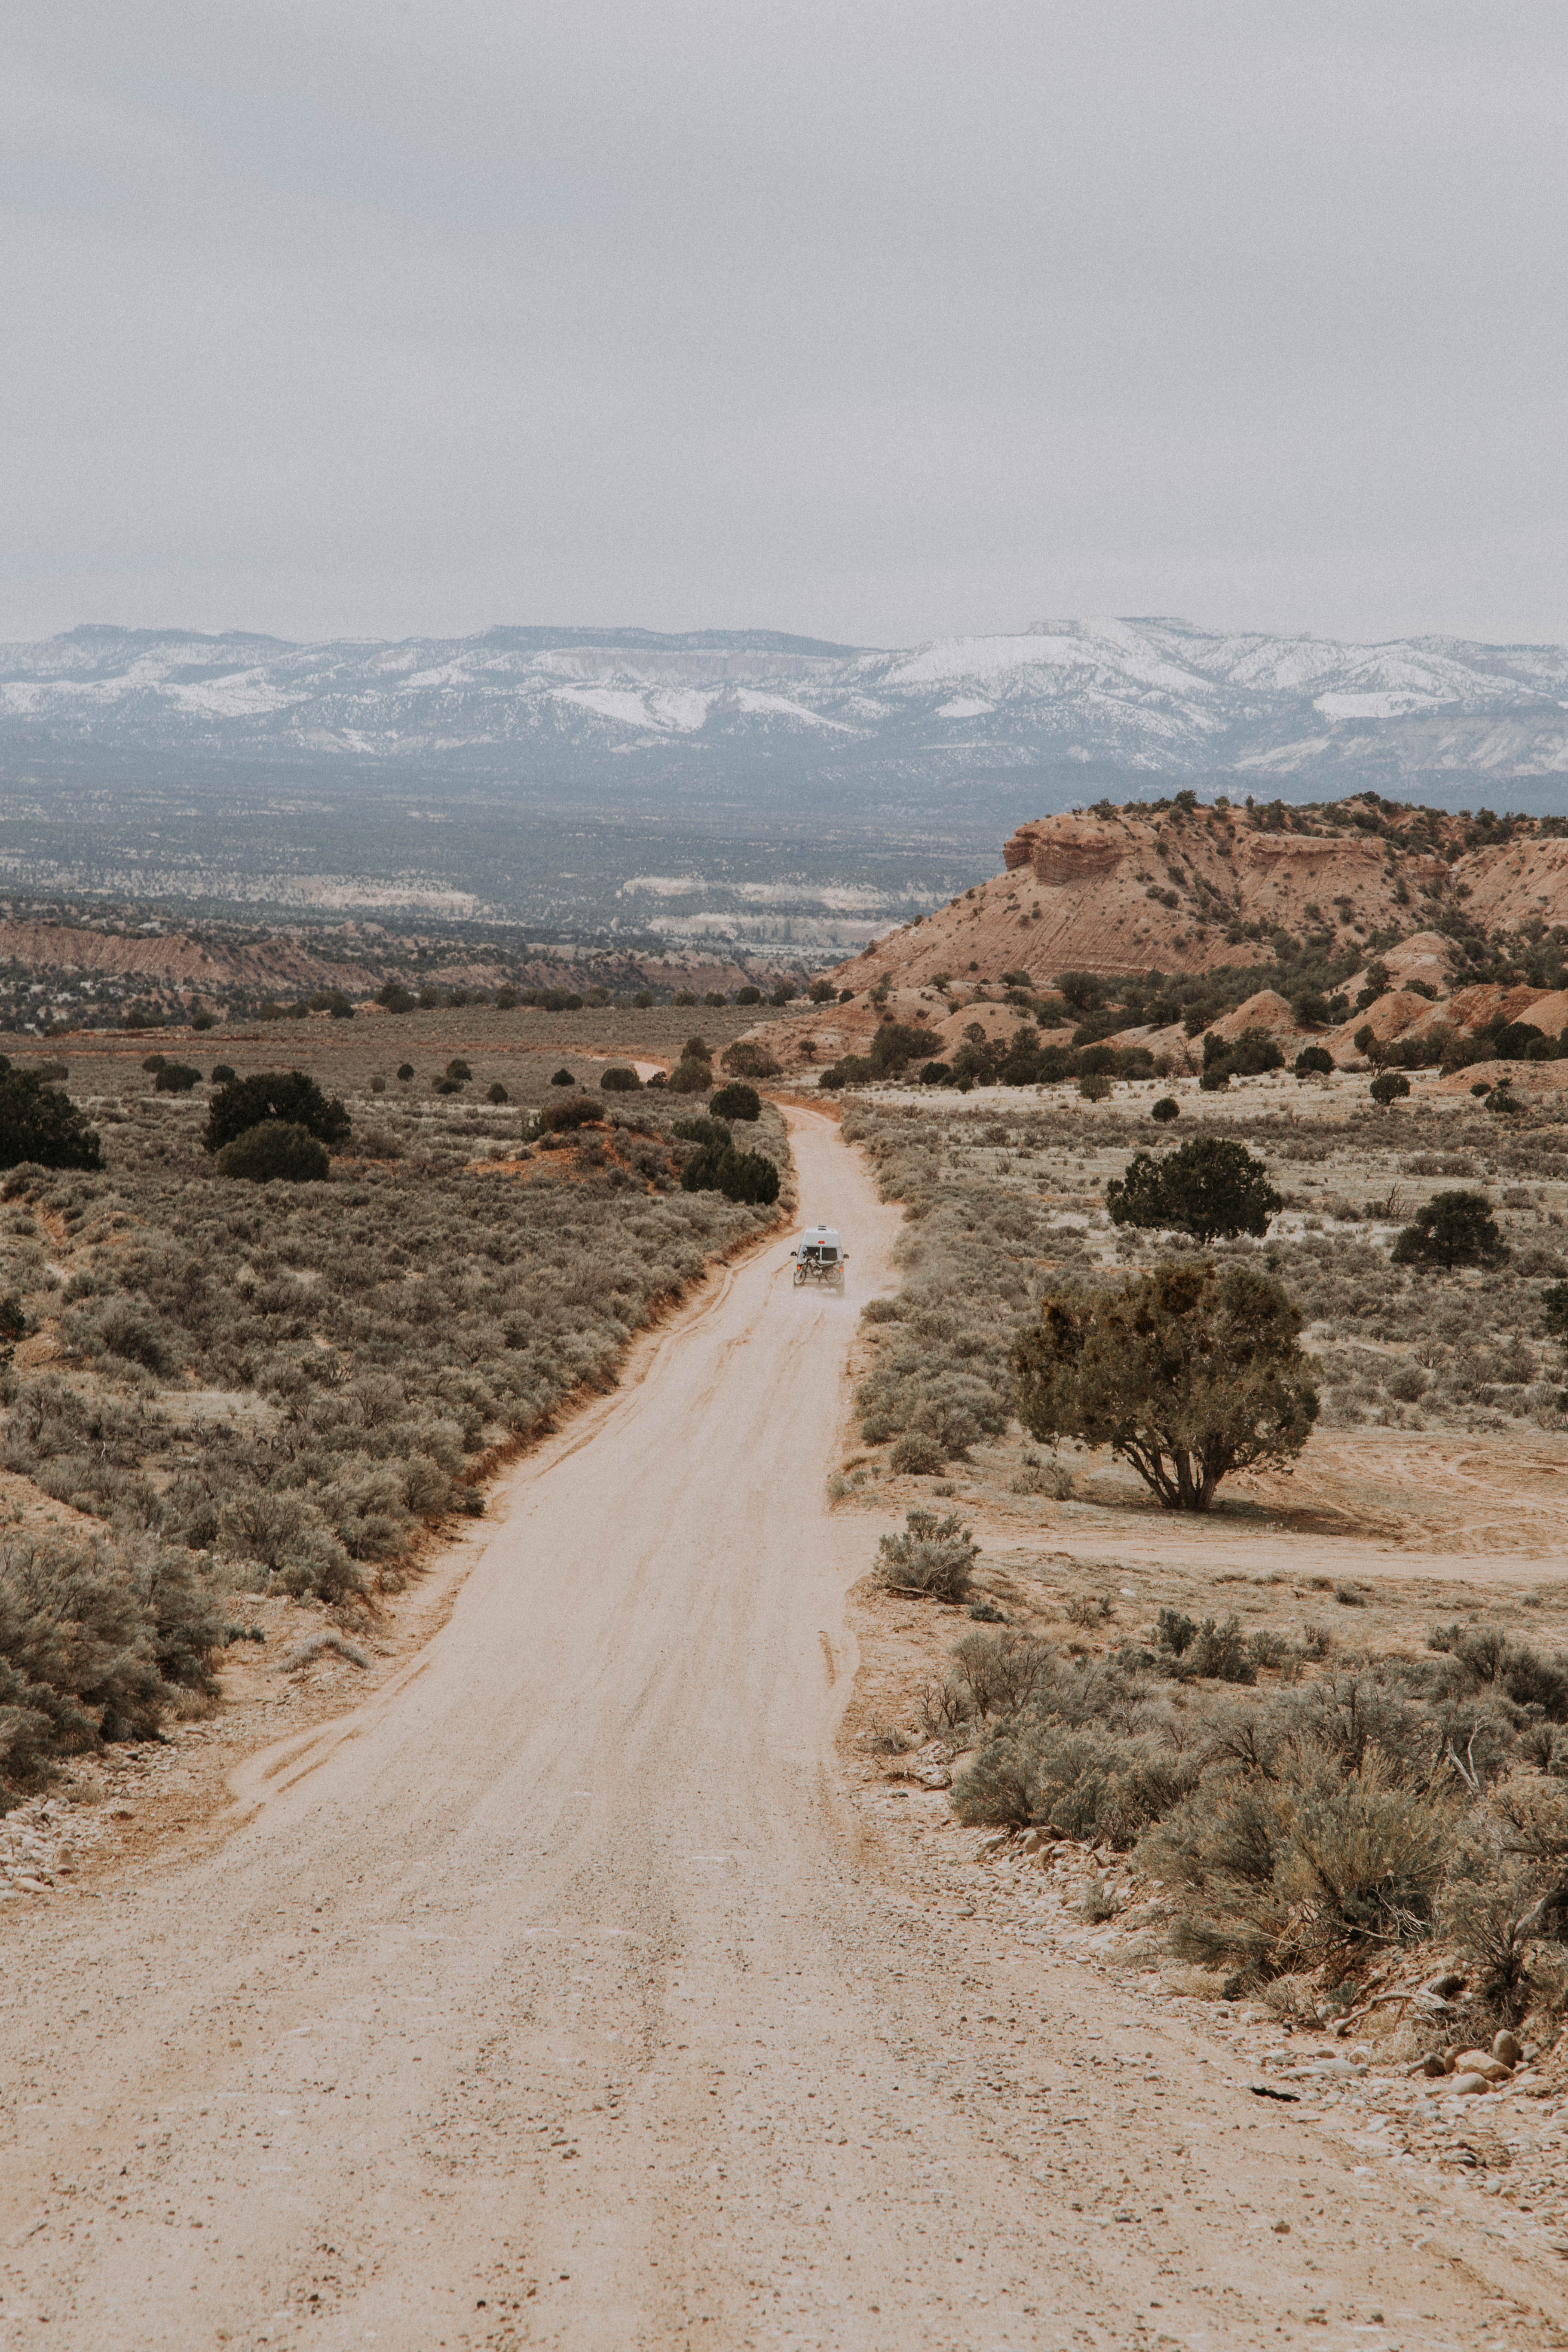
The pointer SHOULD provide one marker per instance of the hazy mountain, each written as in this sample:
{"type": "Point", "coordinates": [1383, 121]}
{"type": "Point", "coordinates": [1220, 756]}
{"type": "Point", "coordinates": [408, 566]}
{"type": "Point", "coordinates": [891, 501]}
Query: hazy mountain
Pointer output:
{"type": "Point", "coordinates": [749, 711]}
{"type": "Point", "coordinates": [741, 786]}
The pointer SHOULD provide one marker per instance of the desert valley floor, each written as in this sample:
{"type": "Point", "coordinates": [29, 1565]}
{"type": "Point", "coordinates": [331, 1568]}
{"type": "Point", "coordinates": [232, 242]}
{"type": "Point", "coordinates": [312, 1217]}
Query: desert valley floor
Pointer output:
{"type": "Point", "coordinates": [590, 1973]}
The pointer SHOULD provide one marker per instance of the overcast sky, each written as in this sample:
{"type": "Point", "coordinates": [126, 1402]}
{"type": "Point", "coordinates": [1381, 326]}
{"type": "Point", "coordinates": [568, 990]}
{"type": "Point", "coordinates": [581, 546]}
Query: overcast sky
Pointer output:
{"type": "Point", "coordinates": [877, 322]}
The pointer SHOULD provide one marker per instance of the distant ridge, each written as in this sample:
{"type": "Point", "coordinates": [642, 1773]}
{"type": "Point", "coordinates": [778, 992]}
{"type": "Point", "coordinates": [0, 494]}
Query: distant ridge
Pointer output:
{"type": "Point", "coordinates": [1065, 702]}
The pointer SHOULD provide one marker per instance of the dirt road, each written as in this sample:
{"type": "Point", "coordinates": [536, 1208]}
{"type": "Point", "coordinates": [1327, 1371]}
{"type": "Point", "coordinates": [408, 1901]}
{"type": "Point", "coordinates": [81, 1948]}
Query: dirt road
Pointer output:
{"type": "Point", "coordinates": [550, 2001]}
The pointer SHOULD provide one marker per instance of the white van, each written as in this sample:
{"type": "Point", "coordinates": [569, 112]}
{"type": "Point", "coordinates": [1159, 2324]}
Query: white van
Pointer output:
{"type": "Point", "coordinates": [820, 1256]}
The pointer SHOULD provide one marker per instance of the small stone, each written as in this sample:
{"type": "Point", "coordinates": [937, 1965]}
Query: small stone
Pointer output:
{"type": "Point", "coordinates": [1466, 2087]}
{"type": "Point", "coordinates": [1281, 2229]}
{"type": "Point", "coordinates": [1507, 2049]}
{"type": "Point", "coordinates": [1472, 2062]}
{"type": "Point", "coordinates": [1447, 1984]}
{"type": "Point", "coordinates": [1432, 2066]}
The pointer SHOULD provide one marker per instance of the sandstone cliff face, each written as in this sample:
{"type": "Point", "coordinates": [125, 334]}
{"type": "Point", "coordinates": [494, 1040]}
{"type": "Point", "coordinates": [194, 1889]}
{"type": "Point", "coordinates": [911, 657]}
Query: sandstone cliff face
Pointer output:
{"type": "Point", "coordinates": [1062, 852]}
{"type": "Point", "coordinates": [1176, 890]}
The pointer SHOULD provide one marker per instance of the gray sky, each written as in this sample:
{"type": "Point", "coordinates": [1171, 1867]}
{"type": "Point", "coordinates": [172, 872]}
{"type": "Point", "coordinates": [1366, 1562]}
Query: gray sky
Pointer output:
{"type": "Point", "coordinates": [874, 322]}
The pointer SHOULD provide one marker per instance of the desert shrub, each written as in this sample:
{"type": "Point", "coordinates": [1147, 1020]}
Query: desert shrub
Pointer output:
{"type": "Point", "coordinates": [1094, 1085]}
{"type": "Point", "coordinates": [619, 1079]}
{"type": "Point", "coordinates": [41, 1126]}
{"type": "Point", "coordinates": [1248, 1056]}
{"type": "Point", "coordinates": [176, 1078]}
{"type": "Point", "coordinates": [917, 1454]}
{"type": "Point", "coordinates": [1507, 1894]}
{"type": "Point", "coordinates": [737, 1102]}
{"type": "Point", "coordinates": [1001, 1673]}
{"type": "Point", "coordinates": [1208, 1187]}
{"type": "Point", "coordinates": [739, 1175]}
{"type": "Point", "coordinates": [561, 1077]}
{"type": "Point", "coordinates": [1305, 1867]}
{"type": "Point", "coordinates": [933, 1559]}
{"type": "Point", "coordinates": [1215, 1079]}
{"type": "Point", "coordinates": [404, 1072]}
{"type": "Point", "coordinates": [276, 1152]}
{"type": "Point", "coordinates": [96, 1645]}
{"type": "Point", "coordinates": [698, 1049]}
{"type": "Point", "coordinates": [1314, 1062]}
{"type": "Point", "coordinates": [708, 1134]}
{"type": "Point", "coordinates": [496, 1093]}
{"type": "Point", "coordinates": [1453, 1229]}
{"type": "Point", "coordinates": [1174, 1631]}
{"type": "Point", "coordinates": [278, 1097]}
{"type": "Point", "coordinates": [894, 1044]}
{"type": "Point", "coordinates": [747, 1059]}
{"type": "Point", "coordinates": [123, 1328]}
{"type": "Point", "coordinates": [1187, 1374]}
{"type": "Point", "coordinates": [1389, 1087]}
{"type": "Point", "coordinates": [690, 1077]}
{"type": "Point", "coordinates": [1165, 1110]}
{"type": "Point", "coordinates": [1076, 1781]}
{"type": "Point", "coordinates": [565, 1117]}
{"type": "Point", "coordinates": [286, 1535]}
{"type": "Point", "coordinates": [1211, 1653]}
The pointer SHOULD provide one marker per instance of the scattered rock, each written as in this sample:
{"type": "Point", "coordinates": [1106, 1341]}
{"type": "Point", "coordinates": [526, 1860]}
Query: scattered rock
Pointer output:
{"type": "Point", "coordinates": [1468, 2086]}
{"type": "Point", "coordinates": [1505, 2048]}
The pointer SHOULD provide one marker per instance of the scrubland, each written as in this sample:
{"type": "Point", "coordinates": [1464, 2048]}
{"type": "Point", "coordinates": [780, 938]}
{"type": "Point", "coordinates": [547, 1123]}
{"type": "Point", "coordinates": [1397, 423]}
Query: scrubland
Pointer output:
{"type": "Point", "coordinates": [229, 1389]}
{"type": "Point", "coordinates": [1311, 1749]}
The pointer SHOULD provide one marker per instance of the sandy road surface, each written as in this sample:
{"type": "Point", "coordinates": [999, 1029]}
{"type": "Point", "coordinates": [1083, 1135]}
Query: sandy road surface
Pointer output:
{"type": "Point", "coordinates": [550, 2000]}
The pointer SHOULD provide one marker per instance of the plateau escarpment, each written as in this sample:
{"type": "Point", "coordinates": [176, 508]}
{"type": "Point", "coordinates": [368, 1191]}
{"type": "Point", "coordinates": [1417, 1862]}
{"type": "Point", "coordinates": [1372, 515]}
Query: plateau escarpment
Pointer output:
{"type": "Point", "coordinates": [1368, 926]}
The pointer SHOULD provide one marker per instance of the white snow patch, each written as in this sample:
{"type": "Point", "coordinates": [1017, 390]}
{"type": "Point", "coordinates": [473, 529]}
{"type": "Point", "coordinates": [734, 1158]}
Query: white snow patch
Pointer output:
{"type": "Point", "coordinates": [1377, 706]}
{"type": "Point", "coordinates": [672, 710]}
{"type": "Point", "coordinates": [778, 705]}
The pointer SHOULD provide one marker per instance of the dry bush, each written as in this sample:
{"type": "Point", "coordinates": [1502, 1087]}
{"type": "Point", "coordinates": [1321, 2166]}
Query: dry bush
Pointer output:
{"type": "Point", "coordinates": [96, 1644]}
{"type": "Point", "coordinates": [1307, 1867]}
{"type": "Point", "coordinates": [933, 1559]}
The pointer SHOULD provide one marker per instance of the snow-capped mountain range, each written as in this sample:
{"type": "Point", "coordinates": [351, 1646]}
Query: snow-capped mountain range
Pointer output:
{"type": "Point", "coordinates": [1090, 699]}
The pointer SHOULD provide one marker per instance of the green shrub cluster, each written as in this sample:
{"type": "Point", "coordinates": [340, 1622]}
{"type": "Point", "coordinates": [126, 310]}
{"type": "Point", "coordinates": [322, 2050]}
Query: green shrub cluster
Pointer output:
{"type": "Point", "coordinates": [40, 1127]}
{"type": "Point", "coordinates": [276, 1150]}
{"type": "Point", "coordinates": [289, 1097]}
{"type": "Point", "coordinates": [1251, 1055]}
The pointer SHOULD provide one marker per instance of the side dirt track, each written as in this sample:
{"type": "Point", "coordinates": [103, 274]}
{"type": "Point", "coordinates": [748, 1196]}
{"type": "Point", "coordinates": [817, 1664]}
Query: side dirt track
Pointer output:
{"type": "Point", "coordinates": [556, 1998]}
